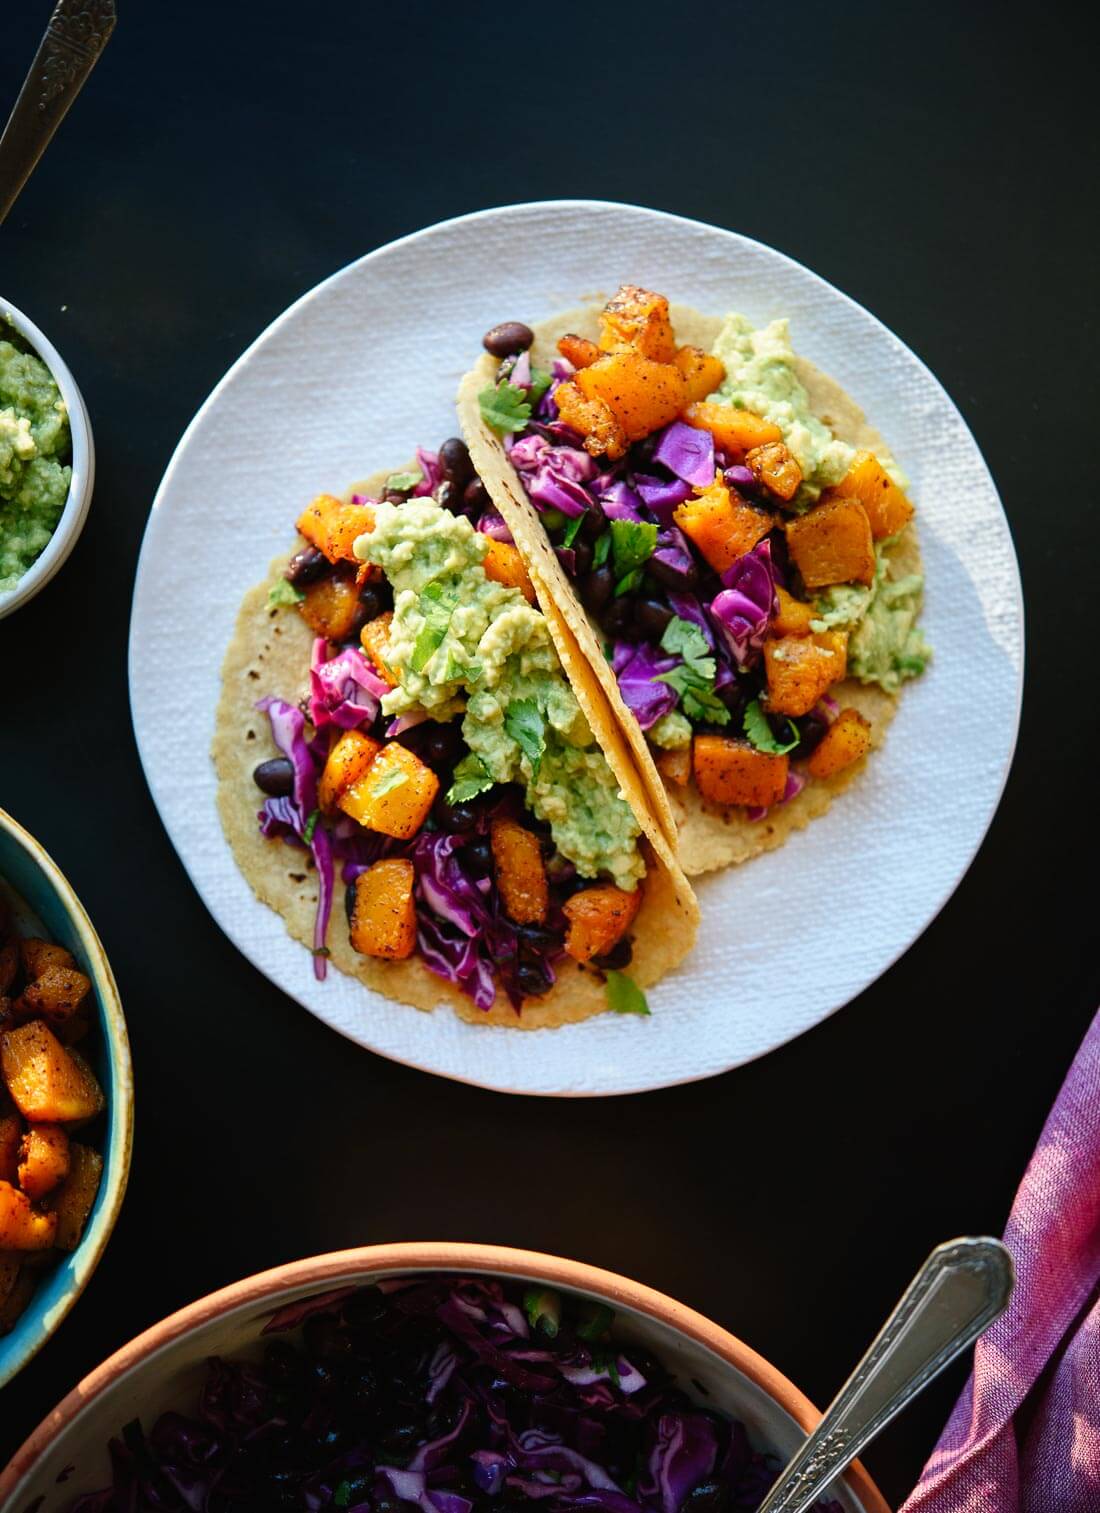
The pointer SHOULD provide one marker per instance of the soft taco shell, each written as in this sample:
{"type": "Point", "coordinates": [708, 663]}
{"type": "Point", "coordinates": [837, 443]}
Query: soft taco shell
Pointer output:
{"type": "Point", "coordinates": [706, 836]}
{"type": "Point", "coordinates": [269, 654]}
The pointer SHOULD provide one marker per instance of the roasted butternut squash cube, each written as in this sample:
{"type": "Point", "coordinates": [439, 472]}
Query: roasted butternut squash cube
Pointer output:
{"type": "Point", "coordinates": [598, 918]}
{"type": "Point", "coordinates": [43, 1160]}
{"type": "Point", "coordinates": [16, 1300]}
{"type": "Point", "coordinates": [578, 350]}
{"type": "Point", "coordinates": [48, 1084]}
{"type": "Point", "coordinates": [731, 771]}
{"type": "Point", "coordinates": [888, 507]}
{"type": "Point", "coordinates": [643, 395]}
{"type": "Point", "coordinates": [375, 640]}
{"type": "Point", "coordinates": [504, 564]}
{"type": "Point", "coordinates": [37, 955]}
{"type": "Point", "coordinates": [11, 1136]}
{"type": "Point", "coordinates": [383, 918]}
{"type": "Point", "coordinates": [800, 669]}
{"type": "Point", "coordinates": [793, 616]}
{"type": "Point", "coordinates": [394, 795]}
{"type": "Point", "coordinates": [56, 994]}
{"type": "Point", "coordinates": [735, 431]}
{"type": "Point", "coordinates": [722, 525]}
{"type": "Point", "coordinates": [638, 318]}
{"type": "Point", "coordinates": [520, 872]}
{"type": "Point", "coordinates": [71, 1203]}
{"type": "Point", "coordinates": [333, 525]}
{"type": "Point", "coordinates": [21, 1227]}
{"type": "Point", "coordinates": [702, 373]}
{"type": "Point", "coordinates": [774, 466]}
{"type": "Point", "coordinates": [675, 766]}
{"type": "Point", "coordinates": [332, 607]}
{"type": "Point", "coordinates": [345, 764]}
{"type": "Point", "coordinates": [832, 544]}
{"type": "Point", "coordinates": [592, 419]}
{"type": "Point", "coordinates": [847, 739]}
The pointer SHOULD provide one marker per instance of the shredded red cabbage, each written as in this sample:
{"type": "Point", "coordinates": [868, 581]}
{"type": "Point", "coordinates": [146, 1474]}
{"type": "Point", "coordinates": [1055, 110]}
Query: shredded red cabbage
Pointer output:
{"type": "Point", "coordinates": [554, 476]}
{"type": "Point", "coordinates": [492, 524]}
{"type": "Point", "coordinates": [343, 689]}
{"type": "Point", "coordinates": [688, 452]}
{"type": "Point", "coordinates": [744, 607]}
{"type": "Point", "coordinates": [617, 499]}
{"type": "Point", "coordinates": [428, 462]}
{"type": "Point", "coordinates": [637, 665]}
{"type": "Point", "coordinates": [662, 495]}
{"type": "Point", "coordinates": [674, 554]}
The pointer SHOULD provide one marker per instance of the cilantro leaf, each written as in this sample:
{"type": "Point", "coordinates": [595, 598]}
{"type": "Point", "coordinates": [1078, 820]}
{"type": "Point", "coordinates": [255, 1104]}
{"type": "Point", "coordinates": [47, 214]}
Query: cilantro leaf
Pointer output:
{"type": "Point", "coordinates": [311, 826]}
{"type": "Point", "coordinates": [760, 734]}
{"type": "Point", "coordinates": [684, 639]}
{"type": "Point", "coordinates": [596, 1319]}
{"type": "Point", "coordinates": [540, 382]}
{"type": "Point", "coordinates": [396, 778]}
{"type": "Point", "coordinates": [504, 407]}
{"type": "Point", "coordinates": [601, 549]}
{"type": "Point", "coordinates": [628, 584]}
{"type": "Point", "coordinates": [571, 530]}
{"type": "Point", "coordinates": [282, 595]}
{"type": "Point", "coordinates": [524, 723]}
{"type": "Point", "coordinates": [543, 1310]}
{"type": "Point", "coordinates": [624, 996]}
{"type": "Point", "coordinates": [437, 606]}
{"type": "Point", "coordinates": [400, 482]}
{"type": "Point", "coordinates": [470, 778]}
{"type": "Point", "coordinates": [698, 699]}
{"type": "Point", "coordinates": [632, 543]}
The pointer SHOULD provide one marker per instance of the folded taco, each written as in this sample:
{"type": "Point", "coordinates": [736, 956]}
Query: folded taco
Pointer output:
{"type": "Point", "coordinates": [407, 777]}
{"type": "Point", "coordinates": [714, 523]}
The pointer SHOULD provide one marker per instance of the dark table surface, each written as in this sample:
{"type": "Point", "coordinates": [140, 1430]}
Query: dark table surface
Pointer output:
{"type": "Point", "coordinates": [932, 163]}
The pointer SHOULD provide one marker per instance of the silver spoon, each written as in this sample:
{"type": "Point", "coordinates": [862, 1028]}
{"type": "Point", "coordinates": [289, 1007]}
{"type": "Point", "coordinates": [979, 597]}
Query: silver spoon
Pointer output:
{"type": "Point", "coordinates": [77, 33]}
{"type": "Point", "coordinates": [955, 1296]}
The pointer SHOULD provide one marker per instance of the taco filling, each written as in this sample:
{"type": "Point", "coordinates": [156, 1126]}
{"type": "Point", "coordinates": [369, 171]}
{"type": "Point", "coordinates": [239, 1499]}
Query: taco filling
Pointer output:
{"type": "Point", "coordinates": [734, 555]}
{"type": "Point", "coordinates": [441, 772]}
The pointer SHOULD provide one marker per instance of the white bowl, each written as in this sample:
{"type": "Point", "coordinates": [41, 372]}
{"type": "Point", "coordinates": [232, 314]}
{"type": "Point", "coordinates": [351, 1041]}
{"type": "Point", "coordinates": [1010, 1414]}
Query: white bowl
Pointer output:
{"type": "Point", "coordinates": [75, 513]}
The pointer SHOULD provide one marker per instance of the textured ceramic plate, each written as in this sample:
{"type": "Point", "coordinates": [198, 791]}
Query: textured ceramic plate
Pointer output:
{"type": "Point", "coordinates": [366, 366]}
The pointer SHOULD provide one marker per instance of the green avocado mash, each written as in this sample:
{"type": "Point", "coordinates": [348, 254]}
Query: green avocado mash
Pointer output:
{"type": "Point", "coordinates": [672, 731]}
{"type": "Point", "coordinates": [460, 642]}
{"type": "Point", "coordinates": [885, 645]}
{"type": "Point", "coordinates": [34, 440]}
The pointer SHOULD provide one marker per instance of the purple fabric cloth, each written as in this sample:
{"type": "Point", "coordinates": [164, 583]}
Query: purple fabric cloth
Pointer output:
{"type": "Point", "coordinates": [1045, 1349]}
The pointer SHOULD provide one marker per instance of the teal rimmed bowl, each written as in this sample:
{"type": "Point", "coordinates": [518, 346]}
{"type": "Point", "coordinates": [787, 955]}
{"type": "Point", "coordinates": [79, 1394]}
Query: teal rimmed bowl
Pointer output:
{"type": "Point", "coordinates": [38, 889]}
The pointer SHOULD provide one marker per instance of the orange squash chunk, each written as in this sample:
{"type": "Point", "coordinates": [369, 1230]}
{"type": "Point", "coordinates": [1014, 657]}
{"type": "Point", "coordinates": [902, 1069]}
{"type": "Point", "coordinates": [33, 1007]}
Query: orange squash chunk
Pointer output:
{"type": "Point", "coordinates": [56, 995]}
{"type": "Point", "coordinates": [793, 615]}
{"type": "Point", "coordinates": [721, 524]}
{"type": "Point", "coordinates": [774, 465]}
{"type": "Point", "coordinates": [383, 918]}
{"type": "Point", "coordinates": [638, 318]}
{"type": "Point", "coordinates": [43, 1160]}
{"type": "Point", "coordinates": [503, 564]}
{"type": "Point", "coordinates": [37, 955]}
{"type": "Point", "coordinates": [375, 641]}
{"type": "Point", "coordinates": [730, 771]}
{"type": "Point", "coordinates": [520, 872]}
{"type": "Point", "coordinates": [332, 608]}
{"type": "Point", "coordinates": [675, 766]}
{"type": "Point", "coordinates": [21, 1228]}
{"type": "Point", "coordinates": [801, 668]}
{"type": "Point", "coordinates": [847, 739]}
{"type": "Point", "coordinates": [832, 544]}
{"type": "Point", "coordinates": [598, 918]}
{"type": "Point", "coordinates": [48, 1084]}
{"type": "Point", "coordinates": [641, 394]}
{"type": "Point", "coordinates": [701, 373]}
{"type": "Point", "coordinates": [888, 508]}
{"type": "Point", "coordinates": [345, 764]}
{"type": "Point", "coordinates": [592, 419]}
{"type": "Point", "coordinates": [11, 1135]}
{"type": "Point", "coordinates": [578, 350]}
{"type": "Point", "coordinates": [333, 526]}
{"type": "Point", "coordinates": [735, 431]}
{"type": "Point", "coordinates": [72, 1202]}
{"type": "Point", "coordinates": [394, 794]}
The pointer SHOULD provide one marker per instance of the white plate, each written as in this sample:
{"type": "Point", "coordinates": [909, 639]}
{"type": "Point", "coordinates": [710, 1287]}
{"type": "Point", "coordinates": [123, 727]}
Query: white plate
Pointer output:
{"type": "Point", "coordinates": [363, 368]}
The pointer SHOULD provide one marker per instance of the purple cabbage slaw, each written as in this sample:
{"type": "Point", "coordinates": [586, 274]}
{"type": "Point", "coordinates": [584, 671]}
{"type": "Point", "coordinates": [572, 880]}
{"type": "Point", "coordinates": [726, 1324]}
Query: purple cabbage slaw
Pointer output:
{"type": "Point", "coordinates": [450, 1394]}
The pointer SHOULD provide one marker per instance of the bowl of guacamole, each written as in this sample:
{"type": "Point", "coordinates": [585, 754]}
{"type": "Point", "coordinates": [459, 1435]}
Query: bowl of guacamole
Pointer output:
{"type": "Point", "coordinates": [47, 461]}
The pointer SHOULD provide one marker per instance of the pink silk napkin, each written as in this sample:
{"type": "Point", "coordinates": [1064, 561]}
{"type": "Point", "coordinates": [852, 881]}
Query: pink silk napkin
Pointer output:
{"type": "Point", "coordinates": [1045, 1349]}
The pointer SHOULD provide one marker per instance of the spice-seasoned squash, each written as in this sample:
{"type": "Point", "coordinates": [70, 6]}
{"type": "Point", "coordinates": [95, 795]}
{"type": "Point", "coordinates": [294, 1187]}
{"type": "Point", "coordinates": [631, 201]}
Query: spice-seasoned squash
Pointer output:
{"type": "Point", "coordinates": [641, 394]}
{"type": "Point", "coordinates": [520, 872]}
{"type": "Point", "coordinates": [832, 544]}
{"type": "Point", "coordinates": [598, 918]}
{"type": "Point", "coordinates": [675, 766]}
{"type": "Point", "coordinates": [48, 1084]}
{"type": "Point", "coordinates": [592, 419]}
{"type": "Point", "coordinates": [730, 771]}
{"type": "Point", "coordinates": [774, 466]}
{"type": "Point", "coordinates": [345, 764]}
{"type": "Point", "coordinates": [638, 318]}
{"type": "Point", "coordinates": [333, 526]}
{"type": "Point", "coordinates": [701, 373]}
{"type": "Point", "coordinates": [887, 506]}
{"type": "Point", "coordinates": [722, 525]}
{"type": "Point", "coordinates": [43, 1160]}
{"type": "Point", "coordinates": [71, 1203]}
{"type": "Point", "coordinates": [331, 607]}
{"type": "Point", "coordinates": [383, 918]}
{"type": "Point", "coordinates": [793, 615]}
{"type": "Point", "coordinates": [847, 739]}
{"type": "Point", "coordinates": [800, 669]}
{"type": "Point", "coordinates": [37, 955]}
{"type": "Point", "coordinates": [11, 1135]}
{"type": "Point", "coordinates": [503, 564]}
{"type": "Point", "coordinates": [735, 431]}
{"type": "Point", "coordinates": [56, 994]}
{"type": "Point", "coordinates": [21, 1228]}
{"type": "Point", "coordinates": [394, 794]}
{"type": "Point", "coordinates": [374, 638]}
{"type": "Point", "coordinates": [578, 350]}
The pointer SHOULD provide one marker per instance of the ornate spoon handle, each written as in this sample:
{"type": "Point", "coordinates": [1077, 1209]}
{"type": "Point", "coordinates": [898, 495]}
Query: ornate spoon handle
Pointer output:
{"type": "Point", "coordinates": [957, 1294]}
{"type": "Point", "coordinates": [76, 35]}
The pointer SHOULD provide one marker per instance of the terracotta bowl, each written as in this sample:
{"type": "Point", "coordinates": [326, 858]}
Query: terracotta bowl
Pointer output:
{"type": "Point", "coordinates": [163, 1367]}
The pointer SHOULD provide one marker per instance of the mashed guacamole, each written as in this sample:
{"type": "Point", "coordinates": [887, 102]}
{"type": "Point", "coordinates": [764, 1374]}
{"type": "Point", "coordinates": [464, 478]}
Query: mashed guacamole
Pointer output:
{"type": "Point", "coordinates": [885, 645]}
{"type": "Point", "coordinates": [463, 644]}
{"type": "Point", "coordinates": [34, 442]}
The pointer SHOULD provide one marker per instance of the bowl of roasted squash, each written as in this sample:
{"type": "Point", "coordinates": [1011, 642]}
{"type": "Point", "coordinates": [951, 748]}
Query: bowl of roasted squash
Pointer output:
{"type": "Point", "coordinates": [66, 1098]}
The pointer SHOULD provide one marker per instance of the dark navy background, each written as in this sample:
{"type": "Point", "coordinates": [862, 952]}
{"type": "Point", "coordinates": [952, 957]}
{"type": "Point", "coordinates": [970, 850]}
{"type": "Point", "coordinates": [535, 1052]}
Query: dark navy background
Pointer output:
{"type": "Point", "coordinates": [932, 161]}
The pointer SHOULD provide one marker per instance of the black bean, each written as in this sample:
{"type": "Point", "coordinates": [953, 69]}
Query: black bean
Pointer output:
{"type": "Point", "coordinates": [596, 589]}
{"type": "Point", "coordinates": [735, 698]}
{"type": "Point", "coordinates": [811, 732]}
{"type": "Point", "coordinates": [672, 577]}
{"type": "Point", "coordinates": [478, 856]}
{"type": "Point", "coordinates": [454, 461]}
{"type": "Point", "coordinates": [475, 496]}
{"type": "Point", "coordinates": [508, 339]}
{"type": "Point", "coordinates": [448, 495]}
{"type": "Point", "coordinates": [618, 957]}
{"type": "Point", "coordinates": [593, 524]}
{"type": "Point", "coordinates": [306, 566]}
{"type": "Point", "coordinates": [531, 979]}
{"type": "Point", "coordinates": [582, 557]}
{"type": "Point", "coordinates": [375, 598]}
{"type": "Point", "coordinates": [538, 938]}
{"type": "Point", "coordinates": [457, 818]}
{"type": "Point", "coordinates": [618, 617]}
{"type": "Point", "coordinates": [652, 618]}
{"type": "Point", "coordinates": [439, 743]}
{"type": "Point", "coordinates": [349, 901]}
{"type": "Point", "coordinates": [275, 777]}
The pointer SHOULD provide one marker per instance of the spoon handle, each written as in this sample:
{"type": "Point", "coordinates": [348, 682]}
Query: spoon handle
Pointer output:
{"type": "Point", "coordinates": [77, 33]}
{"type": "Point", "coordinates": [957, 1293]}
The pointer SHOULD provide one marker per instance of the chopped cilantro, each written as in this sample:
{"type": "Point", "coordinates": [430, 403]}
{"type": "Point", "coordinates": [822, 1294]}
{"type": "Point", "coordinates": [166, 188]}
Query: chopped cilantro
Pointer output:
{"type": "Point", "coordinates": [540, 382]}
{"type": "Point", "coordinates": [624, 996]}
{"type": "Point", "coordinates": [543, 1309]}
{"type": "Point", "coordinates": [693, 680]}
{"type": "Point", "coordinates": [470, 779]}
{"type": "Point", "coordinates": [571, 530]}
{"type": "Point", "coordinates": [437, 606]}
{"type": "Point", "coordinates": [311, 826]}
{"type": "Point", "coordinates": [628, 584]}
{"type": "Point", "coordinates": [596, 1318]}
{"type": "Point", "coordinates": [504, 407]}
{"type": "Point", "coordinates": [524, 723]}
{"type": "Point", "coordinates": [632, 543]}
{"type": "Point", "coordinates": [760, 734]}
{"type": "Point", "coordinates": [282, 595]}
{"type": "Point", "coordinates": [601, 549]}
{"type": "Point", "coordinates": [395, 778]}
{"type": "Point", "coordinates": [402, 482]}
